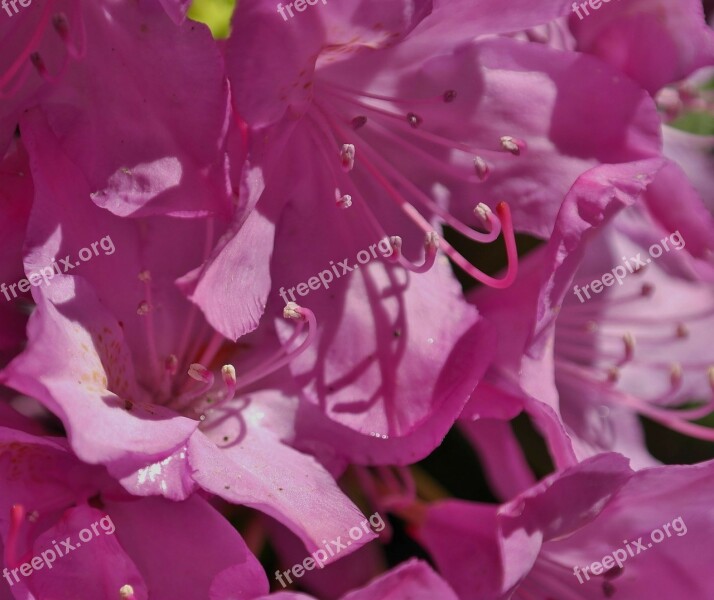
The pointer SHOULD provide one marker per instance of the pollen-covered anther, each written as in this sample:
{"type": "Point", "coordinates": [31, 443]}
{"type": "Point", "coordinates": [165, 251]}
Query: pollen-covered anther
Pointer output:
{"type": "Point", "coordinates": [344, 201]}
{"type": "Point", "coordinates": [61, 25]}
{"type": "Point", "coordinates": [483, 212]}
{"type": "Point", "coordinates": [171, 364]}
{"type": "Point", "coordinates": [228, 372]}
{"type": "Point", "coordinates": [675, 374]}
{"type": "Point", "coordinates": [143, 308]}
{"type": "Point", "coordinates": [199, 373]}
{"type": "Point", "coordinates": [126, 592]}
{"type": "Point", "coordinates": [347, 157]}
{"type": "Point", "coordinates": [449, 96]}
{"type": "Point", "coordinates": [396, 243]}
{"type": "Point", "coordinates": [38, 63]}
{"type": "Point", "coordinates": [512, 145]}
{"type": "Point", "coordinates": [414, 120]}
{"type": "Point", "coordinates": [292, 310]}
{"type": "Point", "coordinates": [482, 169]}
{"type": "Point", "coordinates": [144, 276]}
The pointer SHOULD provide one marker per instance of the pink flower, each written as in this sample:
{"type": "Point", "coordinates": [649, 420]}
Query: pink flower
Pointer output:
{"type": "Point", "coordinates": [637, 344]}
{"type": "Point", "coordinates": [140, 381]}
{"type": "Point", "coordinates": [537, 543]}
{"type": "Point", "coordinates": [48, 503]}
{"type": "Point", "coordinates": [140, 103]}
{"type": "Point", "coordinates": [655, 42]}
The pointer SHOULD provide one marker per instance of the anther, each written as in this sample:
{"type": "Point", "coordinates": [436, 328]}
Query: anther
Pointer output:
{"type": "Point", "coordinates": [347, 157]}
{"type": "Point", "coordinates": [449, 96]}
{"type": "Point", "coordinates": [199, 373]}
{"type": "Point", "coordinates": [126, 592]}
{"type": "Point", "coordinates": [512, 145]}
{"type": "Point", "coordinates": [414, 120]}
{"type": "Point", "coordinates": [359, 122]}
{"type": "Point", "coordinates": [675, 375]}
{"type": "Point", "coordinates": [710, 376]}
{"type": "Point", "coordinates": [396, 243]}
{"type": "Point", "coordinates": [143, 308]}
{"type": "Point", "coordinates": [229, 375]}
{"type": "Point", "coordinates": [481, 168]}
{"type": "Point", "coordinates": [682, 330]}
{"type": "Point", "coordinates": [483, 212]}
{"type": "Point", "coordinates": [38, 63]}
{"type": "Point", "coordinates": [61, 25]}
{"type": "Point", "coordinates": [145, 276]}
{"type": "Point", "coordinates": [292, 310]}
{"type": "Point", "coordinates": [344, 201]}
{"type": "Point", "coordinates": [613, 374]}
{"type": "Point", "coordinates": [647, 289]}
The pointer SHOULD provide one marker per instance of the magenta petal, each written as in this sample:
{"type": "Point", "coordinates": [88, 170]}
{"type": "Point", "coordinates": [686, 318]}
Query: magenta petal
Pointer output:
{"type": "Point", "coordinates": [655, 42]}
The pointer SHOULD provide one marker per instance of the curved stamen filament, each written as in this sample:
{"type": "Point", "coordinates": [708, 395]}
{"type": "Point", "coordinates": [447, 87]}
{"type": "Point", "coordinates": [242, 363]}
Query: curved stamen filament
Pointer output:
{"type": "Point", "coordinates": [464, 230]}
{"type": "Point", "coordinates": [671, 418]}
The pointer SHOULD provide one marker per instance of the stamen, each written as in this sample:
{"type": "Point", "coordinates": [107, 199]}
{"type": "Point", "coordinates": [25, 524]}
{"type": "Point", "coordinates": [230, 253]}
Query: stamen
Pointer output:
{"type": "Point", "coordinates": [61, 25]}
{"type": "Point", "coordinates": [359, 122]}
{"type": "Point", "coordinates": [229, 375]}
{"type": "Point", "coordinates": [629, 341]}
{"type": "Point", "coordinates": [675, 376]}
{"type": "Point", "coordinates": [482, 169]}
{"type": "Point", "coordinates": [200, 373]}
{"type": "Point", "coordinates": [38, 63]}
{"type": "Point", "coordinates": [483, 212]}
{"type": "Point", "coordinates": [347, 157]}
{"type": "Point", "coordinates": [126, 592]}
{"type": "Point", "coordinates": [143, 308]}
{"type": "Point", "coordinates": [512, 145]}
{"type": "Point", "coordinates": [431, 245]}
{"type": "Point", "coordinates": [291, 311]}
{"type": "Point", "coordinates": [22, 56]}
{"type": "Point", "coordinates": [414, 120]}
{"type": "Point", "coordinates": [344, 201]}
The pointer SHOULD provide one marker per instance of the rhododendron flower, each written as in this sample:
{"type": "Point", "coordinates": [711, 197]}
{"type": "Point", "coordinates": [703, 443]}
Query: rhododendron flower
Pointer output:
{"type": "Point", "coordinates": [324, 106]}
{"type": "Point", "coordinates": [449, 264]}
{"type": "Point", "coordinates": [49, 500]}
{"type": "Point", "coordinates": [638, 343]}
{"type": "Point", "coordinates": [95, 70]}
{"type": "Point", "coordinates": [543, 542]}
{"type": "Point", "coordinates": [135, 347]}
